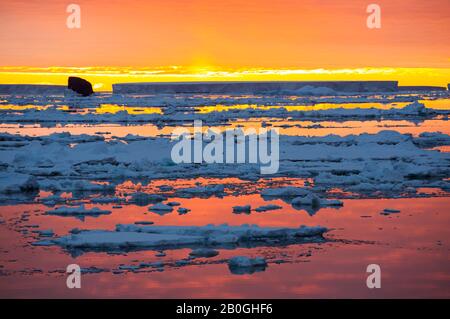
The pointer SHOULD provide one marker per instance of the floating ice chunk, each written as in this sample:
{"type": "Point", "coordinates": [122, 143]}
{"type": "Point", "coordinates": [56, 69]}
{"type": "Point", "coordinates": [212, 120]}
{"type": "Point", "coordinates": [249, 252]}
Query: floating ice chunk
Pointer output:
{"type": "Point", "coordinates": [144, 222]}
{"type": "Point", "coordinates": [242, 261]}
{"type": "Point", "coordinates": [315, 201]}
{"type": "Point", "coordinates": [105, 200]}
{"type": "Point", "coordinates": [331, 202]}
{"type": "Point", "coordinates": [129, 267]}
{"type": "Point", "coordinates": [432, 139]}
{"type": "Point", "coordinates": [92, 270]}
{"type": "Point", "coordinates": [288, 191]}
{"type": "Point", "coordinates": [368, 187]}
{"type": "Point", "coordinates": [157, 264]}
{"type": "Point", "coordinates": [203, 252]}
{"type": "Point", "coordinates": [182, 262]}
{"type": "Point", "coordinates": [79, 211]}
{"type": "Point", "coordinates": [267, 208]}
{"type": "Point", "coordinates": [52, 200]}
{"type": "Point", "coordinates": [244, 232]}
{"type": "Point", "coordinates": [45, 233]}
{"type": "Point", "coordinates": [173, 203]}
{"type": "Point", "coordinates": [203, 190]}
{"type": "Point", "coordinates": [44, 243]}
{"type": "Point", "coordinates": [17, 183]}
{"type": "Point", "coordinates": [143, 199]}
{"type": "Point", "coordinates": [182, 210]}
{"type": "Point", "coordinates": [242, 209]}
{"type": "Point", "coordinates": [308, 200]}
{"type": "Point", "coordinates": [165, 188]}
{"type": "Point", "coordinates": [244, 265]}
{"type": "Point", "coordinates": [132, 236]}
{"type": "Point", "coordinates": [91, 187]}
{"type": "Point", "coordinates": [415, 108]}
{"type": "Point", "coordinates": [388, 211]}
{"type": "Point", "coordinates": [161, 209]}
{"type": "Point", "coordinates": [122, 240]}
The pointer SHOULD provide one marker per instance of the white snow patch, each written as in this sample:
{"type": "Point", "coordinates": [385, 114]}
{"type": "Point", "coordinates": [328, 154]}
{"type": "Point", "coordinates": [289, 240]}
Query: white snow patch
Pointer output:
{"type": "Point", "coordinates": [136, 236]}
{"type": "Point", "coordinates": [77, 211]}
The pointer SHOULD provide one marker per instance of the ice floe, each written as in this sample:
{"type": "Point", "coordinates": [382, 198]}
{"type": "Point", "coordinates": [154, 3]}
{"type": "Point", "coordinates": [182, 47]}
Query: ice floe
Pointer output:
{"type": "Point", "coordinates": [203, 252]}
{"type": "Point", "coordinates": [388, 211]}
{"type": "Point", "coordinates": [315, 201]}
{"type": "Point", "coordinates": [79, 211]}
{"type": "Point", "coordinates": [182, 210]}
{"type": "Point", "coordinates": [242, 209]}
{"type": "Point", "coordinates": [17, 183]}
{"type": "Point", "coordinates": [387, 162]}
{"type": "Point", "coordinates": [161, 208]}
{"type": "Point", "coordinates": [240, 265]}
{"type": "Point", "coordinates": [131, 236]}
{"type": "Point", "coordinates": [266, 208]}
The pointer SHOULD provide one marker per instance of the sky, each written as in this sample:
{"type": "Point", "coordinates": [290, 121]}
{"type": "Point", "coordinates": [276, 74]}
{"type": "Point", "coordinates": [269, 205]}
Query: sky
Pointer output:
{"type": "Point", "coordinates": [233, 39]}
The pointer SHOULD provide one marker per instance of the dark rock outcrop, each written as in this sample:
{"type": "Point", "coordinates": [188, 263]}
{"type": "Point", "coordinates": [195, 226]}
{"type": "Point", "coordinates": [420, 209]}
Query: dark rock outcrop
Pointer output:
{"type": "Point", "coordinates": [80, 86]}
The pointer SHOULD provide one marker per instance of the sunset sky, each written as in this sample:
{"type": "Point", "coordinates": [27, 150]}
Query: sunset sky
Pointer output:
{"type": "Point", "coordinates": [163, 40]}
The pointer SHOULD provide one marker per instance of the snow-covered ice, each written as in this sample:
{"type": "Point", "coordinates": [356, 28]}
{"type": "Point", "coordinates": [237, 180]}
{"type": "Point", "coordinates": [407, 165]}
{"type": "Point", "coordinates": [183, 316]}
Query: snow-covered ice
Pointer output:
{"type": "Point", "coordinates": [388, 211]}
{"type": "Point", "coordinates": [266, 208]}
{"type": "Point", "coordinates": [242, 209]}
{"type": "Point", "coordinates": [132, 236]}
{"type": "Point", "coordinates": [79, 211]}
{"type": "Point", "coordinates": [203, 252]}
{"type": "Point", "coordinates": [161, 208]}
{"type": "Point", "coordinates": [240, 265]}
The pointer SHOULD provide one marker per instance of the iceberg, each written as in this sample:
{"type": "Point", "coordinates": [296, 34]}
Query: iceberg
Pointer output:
{"type": "Point", "coordinates": [29, 89]}
{"type": "Point", "coordinates": [245, 87]}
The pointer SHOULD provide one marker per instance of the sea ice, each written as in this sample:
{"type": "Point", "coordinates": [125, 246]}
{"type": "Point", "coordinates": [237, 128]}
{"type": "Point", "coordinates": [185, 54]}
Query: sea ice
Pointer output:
{"type": "Point", "coordinates": [244, 265]}
{"type": "Point", "coordinates": [203, 252]}
{"type": "Point", "coordinates": [288, 191]}
{"type": "Point", "coordinates": [267, 208]}
{"type": "Point", "coordinates": [79, 211]}
{"type": "Point", "coordinates": [161, 208]}
{"type": "Point", "coordinates": [315, 201]}
{"type": "Point", "coordinates": [131, 236]}
{"type": "Point", "coordinates": [182, 210]}
{"type": "Point", "coordinates": [242, 209]}
{"type": "Point", "coordinates": [388, 211]}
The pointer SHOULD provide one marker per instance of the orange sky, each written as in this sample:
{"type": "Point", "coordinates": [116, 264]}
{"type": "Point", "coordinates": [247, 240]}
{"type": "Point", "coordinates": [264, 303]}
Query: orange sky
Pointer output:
{"type": "Point", "coordinates": [232, 34]}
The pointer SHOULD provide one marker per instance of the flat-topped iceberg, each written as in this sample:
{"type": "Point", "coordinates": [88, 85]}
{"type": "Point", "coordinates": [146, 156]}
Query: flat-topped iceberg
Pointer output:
{"type": "Point", "coordinates": [32, 89]}
{"type": "Point", "coordinates": [263, 87]}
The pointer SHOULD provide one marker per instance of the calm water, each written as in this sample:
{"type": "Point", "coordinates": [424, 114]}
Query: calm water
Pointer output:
{"type": "Point", "coordinates": [412, 247]}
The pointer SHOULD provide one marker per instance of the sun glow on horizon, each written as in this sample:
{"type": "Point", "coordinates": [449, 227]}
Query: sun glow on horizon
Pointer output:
{"type": "Point", "coordinates": [103, 77]}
